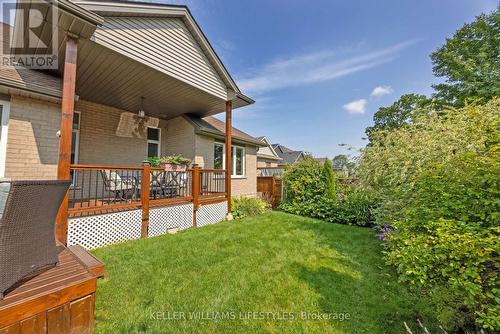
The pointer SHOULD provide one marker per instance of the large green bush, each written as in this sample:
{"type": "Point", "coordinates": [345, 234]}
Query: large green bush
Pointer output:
{"type": "Point", "coordinates": [437, 181]}
{"type": "Point", "coordinates": [304, 182]}
{"type": "Point", "coordinates": [310, 192]}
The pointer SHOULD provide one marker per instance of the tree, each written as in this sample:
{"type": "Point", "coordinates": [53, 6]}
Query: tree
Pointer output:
{"type": "Point", "coordinates": [340, 161]}
{"type": "Point", "coordinates": [400, 112]}
{"type": "Point", "coordinates": [329, 176]}
{"type": "Point", "coordinates": [469, 61]}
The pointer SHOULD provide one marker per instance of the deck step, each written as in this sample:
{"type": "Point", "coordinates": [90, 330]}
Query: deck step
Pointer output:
{"type": "Point", "coordinates": [92, 263]}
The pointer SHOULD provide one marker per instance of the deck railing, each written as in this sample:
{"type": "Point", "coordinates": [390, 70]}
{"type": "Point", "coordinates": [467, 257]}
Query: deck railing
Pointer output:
{"type": "Point", "coordinates": [98, 188]}
{"type": "Point", "coordinates": [212, 183]}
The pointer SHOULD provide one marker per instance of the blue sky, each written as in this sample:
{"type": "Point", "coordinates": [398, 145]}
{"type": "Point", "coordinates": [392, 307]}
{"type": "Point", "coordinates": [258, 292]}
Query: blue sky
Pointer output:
{"type": "Point", "coordinates": [313, 66]}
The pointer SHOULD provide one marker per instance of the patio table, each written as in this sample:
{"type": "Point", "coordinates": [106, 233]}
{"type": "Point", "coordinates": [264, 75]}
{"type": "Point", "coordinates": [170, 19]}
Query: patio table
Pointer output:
{"type": "Point", "coordinates": [158, 185]}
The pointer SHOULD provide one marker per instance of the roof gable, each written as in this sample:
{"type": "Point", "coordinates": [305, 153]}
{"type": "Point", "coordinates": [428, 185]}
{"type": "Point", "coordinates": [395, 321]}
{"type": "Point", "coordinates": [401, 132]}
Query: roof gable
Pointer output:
{"type": "Point", "coordinates": [268, 150]}
{"type": "Point", "coordinates": [189, 45]}
{"type": "Point", "coordinates": [165, 44]}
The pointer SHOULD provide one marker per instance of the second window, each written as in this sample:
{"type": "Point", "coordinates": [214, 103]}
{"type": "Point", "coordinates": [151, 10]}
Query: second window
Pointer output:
{"type": "Point", "coordinates": [238, 159]}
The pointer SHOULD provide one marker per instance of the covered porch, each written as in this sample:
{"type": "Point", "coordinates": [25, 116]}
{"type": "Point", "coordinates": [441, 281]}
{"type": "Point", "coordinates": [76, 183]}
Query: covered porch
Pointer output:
{"type": "Point", "coordinates": [118, 71]}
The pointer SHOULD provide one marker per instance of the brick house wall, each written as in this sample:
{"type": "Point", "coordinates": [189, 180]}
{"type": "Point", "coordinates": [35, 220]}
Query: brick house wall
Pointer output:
{"type": "Point", "coordinates": [247, 186]}
{"type": "Point", "coordinates": [32, 143]}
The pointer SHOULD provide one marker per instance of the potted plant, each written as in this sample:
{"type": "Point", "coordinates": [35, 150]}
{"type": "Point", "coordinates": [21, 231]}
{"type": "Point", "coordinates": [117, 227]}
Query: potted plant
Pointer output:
{"type": "Point", "coordinates": [154, 161]}
{"type": "Point", "coordinates": [174, 163]}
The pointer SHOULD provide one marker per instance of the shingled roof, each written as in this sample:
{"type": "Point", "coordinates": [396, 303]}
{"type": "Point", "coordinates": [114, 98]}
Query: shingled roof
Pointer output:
{"type": "Point", "coordinates": [215, 127]}
{"type": "Point", "coordinates": [289, 156]}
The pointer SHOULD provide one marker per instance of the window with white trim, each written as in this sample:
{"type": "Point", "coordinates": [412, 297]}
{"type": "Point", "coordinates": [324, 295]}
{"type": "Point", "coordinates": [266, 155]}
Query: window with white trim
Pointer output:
{"type": "Point", "coordinates": [75, 139]}
{"type": "Point", "coordinates": [238, 159]}
{"type": "Point", "coordinates": [219, 162]}
{"type": "Point", "coordinates": [153, 148]}
{"type": "Point", "coordinates": [4, 129]}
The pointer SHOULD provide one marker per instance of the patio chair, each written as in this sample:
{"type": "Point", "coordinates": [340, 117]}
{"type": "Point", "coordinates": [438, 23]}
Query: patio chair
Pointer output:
{"type": "Point", "coordinates": [119, 186]}
{"type": "Point", "coordinates": [28, 211]}
{"type": "Point", "coordinates": [156, 183]}
{"type": "Point", "coordinates": [173, 183]}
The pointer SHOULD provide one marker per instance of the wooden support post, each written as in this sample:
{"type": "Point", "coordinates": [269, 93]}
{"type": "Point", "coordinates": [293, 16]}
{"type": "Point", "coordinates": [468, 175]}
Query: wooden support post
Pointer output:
{"type": "Point", "coordinates": [229, 156]}
{"type": "Point", "coordinates": [66, 132]}
{"type": "Point", "coordinates": [196, 192]}
{"type": "Point", "coordinates": [145, 181]}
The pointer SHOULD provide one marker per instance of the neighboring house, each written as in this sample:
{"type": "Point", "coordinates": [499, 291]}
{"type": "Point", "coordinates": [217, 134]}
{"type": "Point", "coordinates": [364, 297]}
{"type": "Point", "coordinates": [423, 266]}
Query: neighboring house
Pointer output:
{"type": "Point", "coordinates": [137, 80]}
{"type": "Point", "coordinates": [268, 161]}
{"type": "Point", "coordinates": [266, 155]}
{"type": "Point", "coordinates": [287, 155]}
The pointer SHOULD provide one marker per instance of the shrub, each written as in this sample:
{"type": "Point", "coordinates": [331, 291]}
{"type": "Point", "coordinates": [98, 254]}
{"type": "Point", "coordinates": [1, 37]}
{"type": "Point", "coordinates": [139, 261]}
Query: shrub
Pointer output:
{"type": "Point", "coordinates": [458, 263]}
{"type": "Point", "coordinates": [437, 181]}
{"type": "Point", "coordinates": [309, 188]}
{"type": "Point", "coordinates": [306, 189]}
{"type": "Point", "coordinates": [329, 176]}
{"type": "Point", "coordinates": [248, 206]}
{"type": "Point", "coordinates": [354, 208]}
{"type": "Point", "coordinates": [304, 182]}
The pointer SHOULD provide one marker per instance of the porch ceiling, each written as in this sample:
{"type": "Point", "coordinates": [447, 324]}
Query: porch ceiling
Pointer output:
{"type": "Point", "coordinates": [107, 77]}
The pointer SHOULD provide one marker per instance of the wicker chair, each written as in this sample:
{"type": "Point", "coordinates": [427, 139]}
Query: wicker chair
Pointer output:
{"type": "Point", "coordinates": [28, 211]}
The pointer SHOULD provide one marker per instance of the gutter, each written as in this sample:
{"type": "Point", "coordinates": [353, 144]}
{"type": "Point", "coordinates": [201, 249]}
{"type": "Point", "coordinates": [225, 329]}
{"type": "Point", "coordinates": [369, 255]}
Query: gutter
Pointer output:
{"type": "Point", "coordinates": [38, 89]}
{"type": "Point", "coordinates": [245, 98]}
{"type": "Point", "coordinates": [80, 12]}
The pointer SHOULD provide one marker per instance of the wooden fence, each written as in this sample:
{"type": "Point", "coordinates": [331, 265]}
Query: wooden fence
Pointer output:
{"type": "Point", "coordinates": [270, 189]}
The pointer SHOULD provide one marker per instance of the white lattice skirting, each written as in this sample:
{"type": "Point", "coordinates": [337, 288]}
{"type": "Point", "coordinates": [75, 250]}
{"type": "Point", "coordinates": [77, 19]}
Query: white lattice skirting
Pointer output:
{"type": "Point", "coordinates": [211, 213]}
{"type": "Point", "coordinates": [97, 231]}
{"type": "Point", "coordinates": [178, 217]}
{"type": "Point", "coordinates": [101, 230]}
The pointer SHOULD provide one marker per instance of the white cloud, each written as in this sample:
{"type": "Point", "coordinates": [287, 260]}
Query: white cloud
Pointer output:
{"type": "Point", "coordinates": [356, 107]}
{"type": "Point", "coordinates": [382, 90]}
{"type": "Point", "coordinates": [314, 67]}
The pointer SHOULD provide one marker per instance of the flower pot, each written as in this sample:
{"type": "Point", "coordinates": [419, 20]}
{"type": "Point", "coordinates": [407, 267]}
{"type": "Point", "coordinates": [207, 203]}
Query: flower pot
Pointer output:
{"type": "Point", "coordinates": [168, 167]}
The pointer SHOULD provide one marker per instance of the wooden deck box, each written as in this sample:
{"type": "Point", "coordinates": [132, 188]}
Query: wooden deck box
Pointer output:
{"type": "Point", "coordinates": [60, 300]}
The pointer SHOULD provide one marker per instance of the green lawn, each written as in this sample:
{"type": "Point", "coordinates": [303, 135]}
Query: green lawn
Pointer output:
{"type": "Point", "coordinates": [273, 263]}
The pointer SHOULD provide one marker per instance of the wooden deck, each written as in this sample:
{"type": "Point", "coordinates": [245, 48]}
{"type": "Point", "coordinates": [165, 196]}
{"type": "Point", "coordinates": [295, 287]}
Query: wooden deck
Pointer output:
{"type": "Point", "coordinates": [60, 300]}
